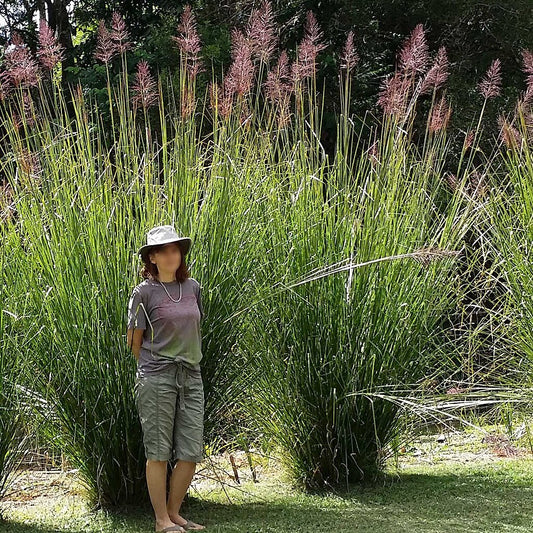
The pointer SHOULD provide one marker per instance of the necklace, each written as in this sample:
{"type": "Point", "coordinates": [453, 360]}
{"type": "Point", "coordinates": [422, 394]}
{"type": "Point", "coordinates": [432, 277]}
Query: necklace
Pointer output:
{"type": "Point", "coordinates": [168, 294]}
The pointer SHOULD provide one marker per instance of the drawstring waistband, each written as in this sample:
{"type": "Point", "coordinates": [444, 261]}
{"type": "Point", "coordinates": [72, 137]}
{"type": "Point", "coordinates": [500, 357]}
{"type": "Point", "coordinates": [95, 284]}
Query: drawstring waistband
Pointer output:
{"type": "Point", "coordinates": [179, 377]}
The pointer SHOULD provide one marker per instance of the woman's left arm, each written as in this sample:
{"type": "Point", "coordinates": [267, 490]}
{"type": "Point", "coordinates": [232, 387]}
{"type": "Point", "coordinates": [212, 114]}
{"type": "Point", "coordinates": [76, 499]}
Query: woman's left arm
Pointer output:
{"type": "Point", "coordinates": [199, 301]}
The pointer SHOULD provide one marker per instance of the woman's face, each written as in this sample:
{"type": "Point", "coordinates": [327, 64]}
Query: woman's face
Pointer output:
{"type": "Point", "coordinates": [167, 258]}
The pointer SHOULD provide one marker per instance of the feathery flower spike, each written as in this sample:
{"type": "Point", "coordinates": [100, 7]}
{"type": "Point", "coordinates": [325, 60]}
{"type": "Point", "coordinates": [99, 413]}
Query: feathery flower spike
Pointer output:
{"type": "Point", "coordinates": [437, 74]}
{"type": "Point", "coordinates": [349, 56]}
{"type": "Point", "coordinates": [413, 56]}
{"type": "Point", "coordinates": [144, 88]}
{"type": "Point", "coordinates": [21, 67]}
{"type": "Point", "coordinates": [439, 116]}
{"type": "Point", "coordinates": [393, 94]}
{"type": "Point", "coordinates": [119, 34]}
{"type": "Point", "coordinates": [490, 85]}
{"type": "Point", "coordinates": [305, 64]}
{"type": "Point", "coordinates": [189, 43]}
{"type": "Point", "coordinates": [50, 51]}
{"type": "Point", "coordinates": [105, 46]}
{"type": "Point", "coordinates": [261, 32]}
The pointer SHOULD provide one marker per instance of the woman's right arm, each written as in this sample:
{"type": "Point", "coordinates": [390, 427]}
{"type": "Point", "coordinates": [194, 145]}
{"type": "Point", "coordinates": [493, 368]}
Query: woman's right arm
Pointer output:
{"type": "Point", "coordinates": [136, 321]}
{"type": "Point", "coordinates": [135, 339]}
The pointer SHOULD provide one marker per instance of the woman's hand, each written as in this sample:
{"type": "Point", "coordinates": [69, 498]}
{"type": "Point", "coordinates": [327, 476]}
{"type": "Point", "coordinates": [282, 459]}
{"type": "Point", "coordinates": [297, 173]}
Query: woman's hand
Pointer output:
{"type": "Point", "coordinates": [135, 339]}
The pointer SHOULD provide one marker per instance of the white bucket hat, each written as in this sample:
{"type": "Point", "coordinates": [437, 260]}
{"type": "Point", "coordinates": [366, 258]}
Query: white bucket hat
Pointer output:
{"type": "Point", "coordinates": [163, 235]}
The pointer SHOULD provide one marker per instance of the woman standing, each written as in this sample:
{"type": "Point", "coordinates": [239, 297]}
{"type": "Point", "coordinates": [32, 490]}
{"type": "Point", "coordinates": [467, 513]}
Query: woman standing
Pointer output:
{"type": "Point", "coordinates": [164, 314]}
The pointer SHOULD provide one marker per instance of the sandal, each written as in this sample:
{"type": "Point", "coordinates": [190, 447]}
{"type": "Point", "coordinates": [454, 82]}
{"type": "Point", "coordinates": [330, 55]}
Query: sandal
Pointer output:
{"type": "Point", "coordinates": [175, 527]}
{"type": "Point", "coordinates": [190, 525]}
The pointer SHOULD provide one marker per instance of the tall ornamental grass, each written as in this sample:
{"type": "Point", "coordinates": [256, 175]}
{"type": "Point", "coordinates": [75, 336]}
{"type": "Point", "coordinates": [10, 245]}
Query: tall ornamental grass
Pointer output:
{"type": "Point", "coordinates": [16, 332]}
{"type": "Point", "coordinates": [363, 284]}
{"type": "Point", "coordinates": [511, 212]}
{"type": "Point", "coordinates": [325, 282]}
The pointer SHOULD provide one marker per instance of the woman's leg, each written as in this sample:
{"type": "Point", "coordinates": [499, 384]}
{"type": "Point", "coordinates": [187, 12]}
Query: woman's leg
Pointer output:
{"type": "Point", "coordinates": [181, 478]}
{"type": "Point", "coordinates": [156, 479]}
{"type": "Point", "coordinates": [155, 396]}
{"type": "Point", "coordinates": [188, 444]}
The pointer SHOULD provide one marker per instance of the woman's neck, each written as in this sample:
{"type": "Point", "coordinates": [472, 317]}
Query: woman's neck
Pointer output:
{"type": "Point", "coordinates": [166, 278]}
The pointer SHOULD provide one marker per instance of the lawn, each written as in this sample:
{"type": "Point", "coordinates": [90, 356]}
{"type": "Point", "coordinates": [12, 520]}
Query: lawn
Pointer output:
{"type": "Point", "coordinates": [465, 483]}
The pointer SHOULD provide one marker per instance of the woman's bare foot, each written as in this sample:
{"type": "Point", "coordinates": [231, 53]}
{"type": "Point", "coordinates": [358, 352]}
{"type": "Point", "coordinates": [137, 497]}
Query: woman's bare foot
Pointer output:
{"type": "Point", "coordinates": [193, 526]}
{"type": "Point", "coordinates": [160, 526]}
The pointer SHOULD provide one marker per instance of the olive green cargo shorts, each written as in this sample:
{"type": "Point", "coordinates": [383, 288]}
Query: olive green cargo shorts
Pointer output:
{"type": "Point", "coordinates": [170, 404]}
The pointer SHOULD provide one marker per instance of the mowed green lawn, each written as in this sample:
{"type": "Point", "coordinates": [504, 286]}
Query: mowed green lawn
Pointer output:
{"type": "Point", "coordinates": [450, 487]}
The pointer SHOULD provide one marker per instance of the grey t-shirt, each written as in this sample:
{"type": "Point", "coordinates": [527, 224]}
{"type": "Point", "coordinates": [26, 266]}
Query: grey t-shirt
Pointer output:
{"type": "Point", "coordinates": [171, 329]}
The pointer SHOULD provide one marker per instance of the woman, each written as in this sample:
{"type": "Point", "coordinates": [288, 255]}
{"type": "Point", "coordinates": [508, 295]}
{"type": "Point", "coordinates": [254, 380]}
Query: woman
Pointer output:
{"type": "Point", "coordinates": [164, 314]}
